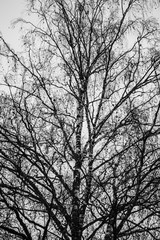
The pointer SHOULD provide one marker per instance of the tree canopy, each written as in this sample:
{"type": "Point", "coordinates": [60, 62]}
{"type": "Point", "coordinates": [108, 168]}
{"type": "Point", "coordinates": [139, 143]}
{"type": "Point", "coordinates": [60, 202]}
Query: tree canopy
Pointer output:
{"type": "Point", "coordinates": [79, 124]}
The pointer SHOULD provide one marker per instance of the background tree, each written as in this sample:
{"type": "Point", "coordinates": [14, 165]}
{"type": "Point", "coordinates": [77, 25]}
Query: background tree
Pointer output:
{"type": "Point", "coordinates": [79, 127]}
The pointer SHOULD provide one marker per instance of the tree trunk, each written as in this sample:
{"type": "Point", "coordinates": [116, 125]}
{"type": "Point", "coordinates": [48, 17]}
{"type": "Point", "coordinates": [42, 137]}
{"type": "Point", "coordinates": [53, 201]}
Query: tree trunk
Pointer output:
{"type": "Point", "coordinates": [76, 223]}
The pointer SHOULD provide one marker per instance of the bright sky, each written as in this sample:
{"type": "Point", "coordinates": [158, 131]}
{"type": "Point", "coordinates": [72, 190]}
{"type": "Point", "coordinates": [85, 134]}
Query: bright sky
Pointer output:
{"type": "Point", "coordinates": [12, 9]}
{"type": "Point", "coordinates": [9, 11]}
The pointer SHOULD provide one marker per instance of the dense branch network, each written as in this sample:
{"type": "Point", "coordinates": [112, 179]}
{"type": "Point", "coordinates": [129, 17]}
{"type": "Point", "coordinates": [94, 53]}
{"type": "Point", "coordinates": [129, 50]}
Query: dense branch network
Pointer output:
{"type": "Point", "coordinates": [79, 125]}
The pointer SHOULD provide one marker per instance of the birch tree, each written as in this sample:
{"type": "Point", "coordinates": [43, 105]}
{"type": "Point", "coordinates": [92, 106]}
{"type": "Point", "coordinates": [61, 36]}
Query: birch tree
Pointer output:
{"type": "Point", "coordinates": [79, 125]}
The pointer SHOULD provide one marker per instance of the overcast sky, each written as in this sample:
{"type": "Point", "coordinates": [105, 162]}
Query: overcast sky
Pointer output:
{"type": "Point", "coordinates": [12, 9]}
{"type": "Point", "coordinates": [9, 11]}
